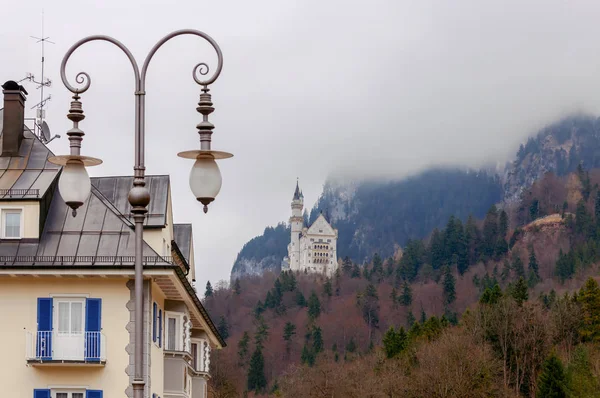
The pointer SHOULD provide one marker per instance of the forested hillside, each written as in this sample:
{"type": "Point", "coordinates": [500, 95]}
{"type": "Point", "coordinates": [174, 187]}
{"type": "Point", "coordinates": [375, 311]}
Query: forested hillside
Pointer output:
{"type": "Point", "coordinates": [501, 306]}
{"type": "Point", "coordinates": [379, 217]}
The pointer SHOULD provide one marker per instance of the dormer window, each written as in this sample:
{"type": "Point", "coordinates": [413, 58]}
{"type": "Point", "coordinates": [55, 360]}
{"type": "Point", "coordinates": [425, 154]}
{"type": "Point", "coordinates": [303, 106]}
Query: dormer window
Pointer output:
{"type": "Point", "coordinates": [12, 223]}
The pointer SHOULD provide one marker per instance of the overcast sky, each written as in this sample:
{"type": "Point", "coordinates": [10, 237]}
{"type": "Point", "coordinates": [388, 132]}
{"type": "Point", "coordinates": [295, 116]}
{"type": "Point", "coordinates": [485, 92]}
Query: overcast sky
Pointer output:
{"type": "Point", "coordinates": [310, 89]}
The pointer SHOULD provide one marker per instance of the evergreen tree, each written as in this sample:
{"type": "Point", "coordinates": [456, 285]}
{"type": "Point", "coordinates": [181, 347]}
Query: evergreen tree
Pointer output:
{"type": "Point", "coordinates": [423, 316]}
{"type": "Point", "coordinates": [277, 292]}
{"type": "Point", "coordinates": [327, 288]}
{"type": "Point", "coordinates": [503, 224]}
{"type": "Point", "coordinates": [317, 336]}
{"type": "Point", "coordinates": [237, 287]}
{"type": "Point", "coordinates": [394, 342]}
{"type": "Point", "coordinates": [597, 208]}
{"type": "Point", "coordinates": [534, 274]}
{"type": "Point", "coordinates": [256, 373]}
{"type": "Point", "coordinates": [243, 348]}
{"type": "Point", "coordinates": [410, 319]}
{"type": "Point", "coordinates": [436, 249]}
{"type": "Point", "coordinates": [300, 300]}
{"type": "Point", "coordinates": [261, 334]}
{"type": "Point", "coordinates": [586, 185]}
{"type": "Point", "coordinates": [209, 290]}
{"type": "Point", "coordinates": [351, 346]}
{"type": "Point", "coordinates": [412, 260]}
{"type": "Point", "coordinates": [259, 309]}
{"type": "Point", "coordinates": [589, 300]}
{"type": "Point", "coordinates": [270, 300]}
{"type": "Point", "coordinates": [552, 381]}
{"type": "Point", "coordinates": [534, 210]}
{"type": "Point", "coordinates": [394, 296]}
{"type": "Point", "coordinates": [347, 265]}
{"type": "Point", "coordinates": [490, 232]}
{"type": "Point", "coordinates": [370, 306]}
{"type": "Point", "coordinates": [377, 270]}
{"type": "Point", "coordinates": [223, 328]}
{"type": "Point", "coordinates": [472, 240]}
{"type": "Point", "coordinates": [491, 295]}
{"type": "Point", "coordinates": [314, 306]}
{"type": "Point", "coordinates": [519, 291]}
{"type": "Point", "coordinates": [501, 247]}
{"type": "Point", "coordinates": [389, 267]}
{"type": "Point", "coordinates": [355, 271]}
{"type": "Point", "coordinates": [289, 330]}
{"type": "Point", "coordinates": [583, 220]}
{"type": "Point", "coordinates": [449, 287]}
{"type": "Point", "coordinates": [517, 265]}
{"type": "Point", "coordinates": [406, 298]}
{"type": "Point", "coordinates": [308, 356]}
{"type": "Point", "coordinates": [565, 207]}
{"type": "Point", "coordinates": [565, 265]}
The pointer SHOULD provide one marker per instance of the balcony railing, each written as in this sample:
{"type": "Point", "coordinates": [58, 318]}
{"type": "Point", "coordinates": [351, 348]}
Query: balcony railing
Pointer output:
{"type": "Point", "coordinates": [53, 346]}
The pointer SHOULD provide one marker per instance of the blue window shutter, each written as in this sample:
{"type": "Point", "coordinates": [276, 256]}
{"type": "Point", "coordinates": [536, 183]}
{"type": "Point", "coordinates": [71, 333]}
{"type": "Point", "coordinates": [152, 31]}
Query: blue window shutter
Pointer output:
{"type": "Point", "coordinates": [93, 394]}
{"type": "Point", "coordinates": [160, 323]}
{"type": "Point", "coordinates": [154, 322]}
{"type": "Point", "coordinates": [41, 393]}
{"type": "Point", "coordinates": [44, 329]}
{"type": "Point", "coordinates": [93, 324]}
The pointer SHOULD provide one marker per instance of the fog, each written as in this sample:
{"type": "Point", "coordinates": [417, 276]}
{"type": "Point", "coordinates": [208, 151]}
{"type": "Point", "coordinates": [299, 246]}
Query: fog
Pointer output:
{"type": "Point", "coordinates": [310, 89]}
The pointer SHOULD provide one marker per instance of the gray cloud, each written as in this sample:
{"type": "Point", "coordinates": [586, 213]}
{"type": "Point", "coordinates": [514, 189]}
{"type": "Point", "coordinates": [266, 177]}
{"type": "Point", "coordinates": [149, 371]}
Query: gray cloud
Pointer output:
{"type": "Point", "coordinates": [313, 88]}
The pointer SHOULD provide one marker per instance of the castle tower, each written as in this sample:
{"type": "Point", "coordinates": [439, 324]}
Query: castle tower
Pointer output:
{"type": "Point", "coordinates": [296, 224]}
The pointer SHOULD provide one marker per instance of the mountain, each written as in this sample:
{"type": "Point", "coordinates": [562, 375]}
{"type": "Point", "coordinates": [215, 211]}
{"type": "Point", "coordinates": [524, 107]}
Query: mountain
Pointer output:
{"type": "Point", "coordinates": [558, 148]}
{"type": "Point", "coordinates": [381, 216]}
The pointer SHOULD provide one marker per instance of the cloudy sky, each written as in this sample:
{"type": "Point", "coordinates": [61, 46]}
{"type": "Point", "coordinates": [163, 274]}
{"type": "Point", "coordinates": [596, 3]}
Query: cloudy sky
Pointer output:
{"type": "Point", "coordinates": [311, 89]}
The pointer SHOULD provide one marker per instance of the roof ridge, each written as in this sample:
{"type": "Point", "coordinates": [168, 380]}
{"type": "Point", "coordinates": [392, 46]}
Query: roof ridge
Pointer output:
{"type": "Point", "coordinates": [132, 176]}
{"type": "Point", "coordinates": [110, 205]}
{"type": "Point", "coordinates": [121, 216]}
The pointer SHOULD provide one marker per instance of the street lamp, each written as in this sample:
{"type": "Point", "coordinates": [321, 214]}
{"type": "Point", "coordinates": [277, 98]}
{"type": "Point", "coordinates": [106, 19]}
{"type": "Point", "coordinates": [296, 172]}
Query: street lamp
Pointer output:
{"type": "Point", "coordinates": [205, 178]}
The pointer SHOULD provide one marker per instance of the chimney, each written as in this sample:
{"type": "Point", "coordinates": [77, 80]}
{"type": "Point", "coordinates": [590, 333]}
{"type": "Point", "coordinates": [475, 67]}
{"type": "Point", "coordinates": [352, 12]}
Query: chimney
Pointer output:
{"type": "Point", "coordinates": [13, 118]}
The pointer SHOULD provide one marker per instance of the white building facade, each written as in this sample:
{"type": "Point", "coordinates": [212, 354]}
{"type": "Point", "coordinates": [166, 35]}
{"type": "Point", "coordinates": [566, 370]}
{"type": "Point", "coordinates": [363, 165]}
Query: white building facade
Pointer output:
{"type": "Point", "coordinates": [314, 248]}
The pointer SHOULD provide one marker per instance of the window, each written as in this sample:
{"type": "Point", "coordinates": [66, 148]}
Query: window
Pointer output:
{"type": "Point", "coordinates": [195, 358]}
{"type": "Point", "coordinates": [68, 394]}
{"type": "Point", "coordinates": [70, 316]}
{"type": "Point", "coordinates": [174, 331]}
{"type": "Point", "coordinates": [11, 223]}
{"type": "Point", "coordinates": [329, 240]}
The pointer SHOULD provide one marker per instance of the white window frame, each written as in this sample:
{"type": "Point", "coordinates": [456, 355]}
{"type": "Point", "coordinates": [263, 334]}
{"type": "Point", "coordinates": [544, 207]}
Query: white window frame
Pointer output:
{"type": "Point", "coordinates": [70, 300]}
{"type": "Point", "coordinates": [12, 209]}
{"type": "Point", "coordinates": [179, 328]}
{"type": "Point", "coordinates": [70, 391]}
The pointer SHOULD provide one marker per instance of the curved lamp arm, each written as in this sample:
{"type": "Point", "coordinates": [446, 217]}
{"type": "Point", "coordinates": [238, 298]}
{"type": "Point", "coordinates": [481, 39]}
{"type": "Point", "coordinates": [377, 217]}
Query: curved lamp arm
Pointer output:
{"type": "Point", "coordinates": [201, 68]}
{"type": "Point", "coordinates": [84, 78]}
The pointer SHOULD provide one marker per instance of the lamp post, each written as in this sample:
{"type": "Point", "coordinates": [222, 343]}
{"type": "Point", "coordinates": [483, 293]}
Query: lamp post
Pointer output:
{"type": "Point", "coordinates": [205, 178]}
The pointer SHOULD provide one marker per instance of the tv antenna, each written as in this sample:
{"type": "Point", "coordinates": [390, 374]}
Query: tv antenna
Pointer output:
{"type": "Point", "coordinates": [40, 127]}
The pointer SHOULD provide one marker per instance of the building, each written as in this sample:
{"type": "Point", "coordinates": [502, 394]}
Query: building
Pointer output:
{"type": "Point", "coordinates": [314, 248]}
{"type": "Point", "coordinates": [67, 288]}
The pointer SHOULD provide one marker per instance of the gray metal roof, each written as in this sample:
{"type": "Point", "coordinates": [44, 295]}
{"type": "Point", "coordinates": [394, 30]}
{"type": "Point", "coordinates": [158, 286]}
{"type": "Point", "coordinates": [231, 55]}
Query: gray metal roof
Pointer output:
{"type": "Point", "coordinates": [98, 235]}
{"type": "Point", "coordinates": [29, 175]}
{"type": "Point", "coordinates": [182, 235]}
{"type": "Point", "coordinates": [116, 189]}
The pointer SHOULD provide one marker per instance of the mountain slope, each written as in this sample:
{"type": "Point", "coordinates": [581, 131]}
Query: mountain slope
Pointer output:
{"type": "Point", "coordinates": [378, 217]}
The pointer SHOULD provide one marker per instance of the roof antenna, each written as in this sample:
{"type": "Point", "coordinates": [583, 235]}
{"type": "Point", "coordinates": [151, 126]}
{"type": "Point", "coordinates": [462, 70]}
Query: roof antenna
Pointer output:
{"type": "Point", "coordinates": [40, 127]}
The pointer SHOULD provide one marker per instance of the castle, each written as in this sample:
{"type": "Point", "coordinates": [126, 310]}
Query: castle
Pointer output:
{"type": "Point", "coordinates": [311, 249]}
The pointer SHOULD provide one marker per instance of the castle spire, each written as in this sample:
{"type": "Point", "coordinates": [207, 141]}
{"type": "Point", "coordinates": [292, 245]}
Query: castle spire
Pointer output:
{"type": "Point", "coordinates": [297, 193]}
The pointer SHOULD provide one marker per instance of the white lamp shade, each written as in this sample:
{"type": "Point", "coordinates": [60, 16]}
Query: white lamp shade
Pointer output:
{"type": "Point", "coordinates": [74, 184]}
{"type": "Point", "coordinates": [205, 179]}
